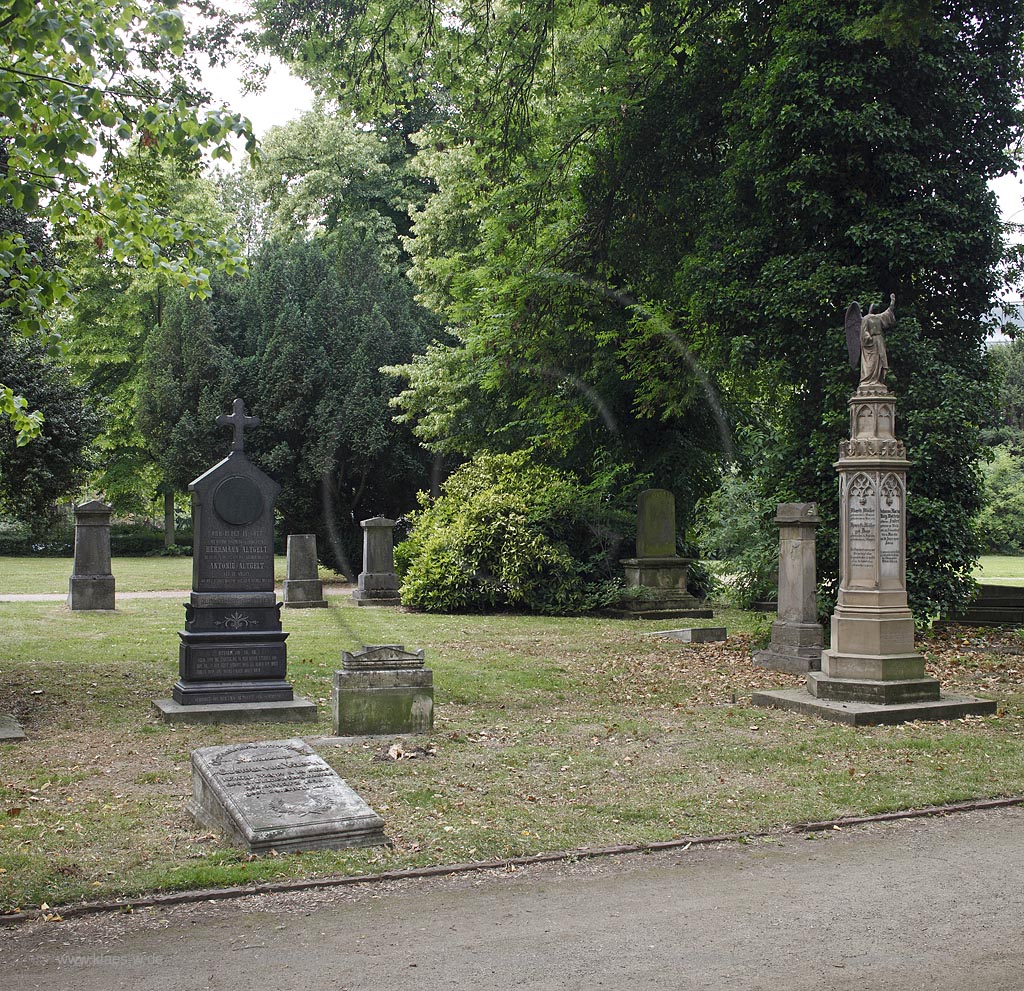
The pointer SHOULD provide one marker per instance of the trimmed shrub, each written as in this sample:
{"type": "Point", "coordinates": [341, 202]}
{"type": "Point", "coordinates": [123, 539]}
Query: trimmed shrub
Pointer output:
{"type": "Point", "coordinates": [507, 533]}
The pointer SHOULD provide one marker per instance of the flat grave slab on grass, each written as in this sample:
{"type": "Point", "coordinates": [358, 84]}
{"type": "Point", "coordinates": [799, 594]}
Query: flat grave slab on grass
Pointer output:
{"type": "Point", "coordinates": [10, 729]}
{"type": "Point", "coordinates": [279, 795]}
{"type": "Point", "coordinates": [693, 634]}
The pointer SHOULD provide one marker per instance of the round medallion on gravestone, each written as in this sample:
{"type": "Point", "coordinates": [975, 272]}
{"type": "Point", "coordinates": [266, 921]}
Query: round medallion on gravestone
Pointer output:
{"type": "Point", "coordinates": [238, 501]}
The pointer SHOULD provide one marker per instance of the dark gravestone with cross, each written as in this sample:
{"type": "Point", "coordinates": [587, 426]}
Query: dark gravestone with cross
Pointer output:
{"type": "Point", "coordinates": [232, 657]}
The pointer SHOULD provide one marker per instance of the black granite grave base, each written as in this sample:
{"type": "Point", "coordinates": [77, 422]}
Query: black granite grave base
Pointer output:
{"type": "Point", "coordinates": [867, 714]}
{"type": "Point", "coordinates": [297, 710]}
{"type": "Point", "coordinates": [237, 692]}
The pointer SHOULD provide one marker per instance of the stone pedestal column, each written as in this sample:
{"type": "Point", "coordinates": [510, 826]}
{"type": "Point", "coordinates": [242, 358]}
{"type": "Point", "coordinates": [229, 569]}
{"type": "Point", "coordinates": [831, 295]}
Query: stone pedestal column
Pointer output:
{"type": "Point", "coordinates": [378, 583]}
{"type": "Point", "coordinates": [872, 657]}
{"type": "Point", "coordinates": [796, 635]}
{"type": "Point", "coordinates": [92, 584]}
{"type": "Point", "coordinates": [302, 586]}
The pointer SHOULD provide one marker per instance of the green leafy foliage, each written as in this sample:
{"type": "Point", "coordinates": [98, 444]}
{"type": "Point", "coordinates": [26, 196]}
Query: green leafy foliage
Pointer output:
{"type": "Point", "coordinates": [88, 91]}
{"type": "Point", "coordinates": [33, 477]}
{"type": "Point", "coordinates": [1006, 362]}
{"type": "Point", "coordinates": [301, 341]}
{"type": "Point", "coordinates": [649, 221]}
{"type": "Point", "coordinates": [509, 533]}
{"type": "Point", "coordinates": [735, 527]}
{"type": "Point", "coordinates": [1001, 521]}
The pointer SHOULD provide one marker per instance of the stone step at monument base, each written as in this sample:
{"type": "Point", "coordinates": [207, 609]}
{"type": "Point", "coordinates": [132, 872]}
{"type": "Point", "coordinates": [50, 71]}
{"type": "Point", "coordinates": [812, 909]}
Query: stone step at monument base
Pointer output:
{"type": "Point", "coordinates": [362, 599]}
{"type": "Point", "coordinates": [10, 729]}
{"type": "Point", "coordinates": [866, 714]}
{"type": "Point", "coordinates": [799, 661]}
{"type": "Point", "coordinates": [889, 692]}
{"type": "Point", "coordinates": [302, 593]}
{"type": "Point", "coordinates": [235, 692]}
{"type": "Point", "coordinates": [295, 710]}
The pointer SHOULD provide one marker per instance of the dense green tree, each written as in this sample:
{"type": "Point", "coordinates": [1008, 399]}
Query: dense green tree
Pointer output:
{"type": "Point", "coordinates": [105, 332]}
{"type": "Point", "coordinates": [301, 340]}
{"type": "Point", "coordinates": [34, 477]}
{"type": "Point", "coordinates": [650, 219]}
{"type": "Point", "coordinates": [189, 377]}
{"type": "Point", "coordinates": [321, 318]}
{"type": "Point", "coordinates": [1006, 360]}
{"type": "Point", "coordinates": [87, 92]}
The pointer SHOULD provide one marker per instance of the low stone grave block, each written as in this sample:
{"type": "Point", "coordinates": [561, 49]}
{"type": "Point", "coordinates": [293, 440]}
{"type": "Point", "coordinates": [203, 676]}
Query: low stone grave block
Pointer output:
{"type": "Point", "coordinates": [10, 729]}
{"type": "Point", "coordinates": [280, 795]}
{"type": "Point", "coordinates": [696, 634]}
{"type": "Point", "coordinates": [382, 689]}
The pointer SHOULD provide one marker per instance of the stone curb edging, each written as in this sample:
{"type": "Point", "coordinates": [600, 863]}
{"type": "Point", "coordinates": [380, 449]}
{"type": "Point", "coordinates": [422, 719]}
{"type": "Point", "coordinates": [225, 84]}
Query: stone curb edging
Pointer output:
{"type": "Point", "coordinates": [445, 870]}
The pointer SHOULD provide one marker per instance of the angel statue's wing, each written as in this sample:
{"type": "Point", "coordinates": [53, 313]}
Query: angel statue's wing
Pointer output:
{"type": "Point", "coordinates": [853, 320]}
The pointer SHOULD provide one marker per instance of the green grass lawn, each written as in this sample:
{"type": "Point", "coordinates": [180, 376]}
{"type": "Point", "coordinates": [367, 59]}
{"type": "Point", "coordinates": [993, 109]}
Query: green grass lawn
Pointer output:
{"type": "Point", "coordinates": [551, 733]}
{"type": "Point", "coordinates": [999, 570]}
{"type": "Point", "coordinates": [30, 575]}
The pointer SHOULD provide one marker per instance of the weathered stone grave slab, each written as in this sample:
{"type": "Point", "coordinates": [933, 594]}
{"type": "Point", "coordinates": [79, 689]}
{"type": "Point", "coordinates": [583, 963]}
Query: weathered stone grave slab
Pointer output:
{"type": "Point", "coordinates": [302, 586]}
{"type": "Point", "coordinates": [280, 795]}
{"type": "Point", "coordinates": [694, 634]}
{"type": "Point", "coordinates": [382, 689]}
{"type": "Point", "coordinates": [10, 729]}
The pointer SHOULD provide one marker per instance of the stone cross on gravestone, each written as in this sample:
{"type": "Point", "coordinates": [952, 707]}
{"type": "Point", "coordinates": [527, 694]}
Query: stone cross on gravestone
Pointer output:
{"type": "Point", "coordinates": [238, 421]}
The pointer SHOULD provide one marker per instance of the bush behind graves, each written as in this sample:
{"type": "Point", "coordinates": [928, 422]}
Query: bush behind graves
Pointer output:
{"type": "Point", "coordinates": [508, 533]}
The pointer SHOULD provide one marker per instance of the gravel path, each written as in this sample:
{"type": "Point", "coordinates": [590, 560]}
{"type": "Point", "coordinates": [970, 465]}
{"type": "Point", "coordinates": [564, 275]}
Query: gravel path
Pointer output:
{"type": "Point", "coordinates": [930, 904]}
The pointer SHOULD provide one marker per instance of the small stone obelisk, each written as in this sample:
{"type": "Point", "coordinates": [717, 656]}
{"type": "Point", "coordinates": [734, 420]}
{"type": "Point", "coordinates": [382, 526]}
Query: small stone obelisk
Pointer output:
{"type": "Point", "coordinates": [92, 584]}
{"type": "Point", "coordinates": [796, 634]}
{"type": "Point", "coordinates": [302, 586]}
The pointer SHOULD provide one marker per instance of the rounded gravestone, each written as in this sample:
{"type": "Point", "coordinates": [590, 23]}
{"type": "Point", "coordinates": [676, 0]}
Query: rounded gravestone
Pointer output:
{"type": "Point", "coordinates": [238, 501]}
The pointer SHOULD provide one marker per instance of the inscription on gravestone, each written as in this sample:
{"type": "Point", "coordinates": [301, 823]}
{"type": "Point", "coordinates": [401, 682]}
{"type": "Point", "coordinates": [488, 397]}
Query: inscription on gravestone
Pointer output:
{"type": "Point", "coordinates": [862, 531]}
{"type": "Point", "coordinates": [279, 796]}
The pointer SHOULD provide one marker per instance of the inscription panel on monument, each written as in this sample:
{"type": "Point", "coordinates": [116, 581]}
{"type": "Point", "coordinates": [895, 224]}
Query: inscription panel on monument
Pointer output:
{"type": "Point", "coordinates": [280, 794]}
{"type": "Point", "coordinates": [862, 532]}
{"type": "Point", "coordinates": [225, 662]}
{"type": "Point", "coordinates": [890, 528]}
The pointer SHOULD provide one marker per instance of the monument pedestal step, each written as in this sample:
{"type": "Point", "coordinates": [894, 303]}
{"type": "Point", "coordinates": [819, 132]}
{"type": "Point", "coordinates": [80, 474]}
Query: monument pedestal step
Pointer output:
{"type": "Point", "coordinates": [792, 663]}
{"type": "Point", "coordinates": [866, 714]}
{"type": "Point", "coordinates": [364, 599]}
{"type": "Point", "coordinates": [298, 710]}
{"type": "Point", "coordinates": [891, 692]}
